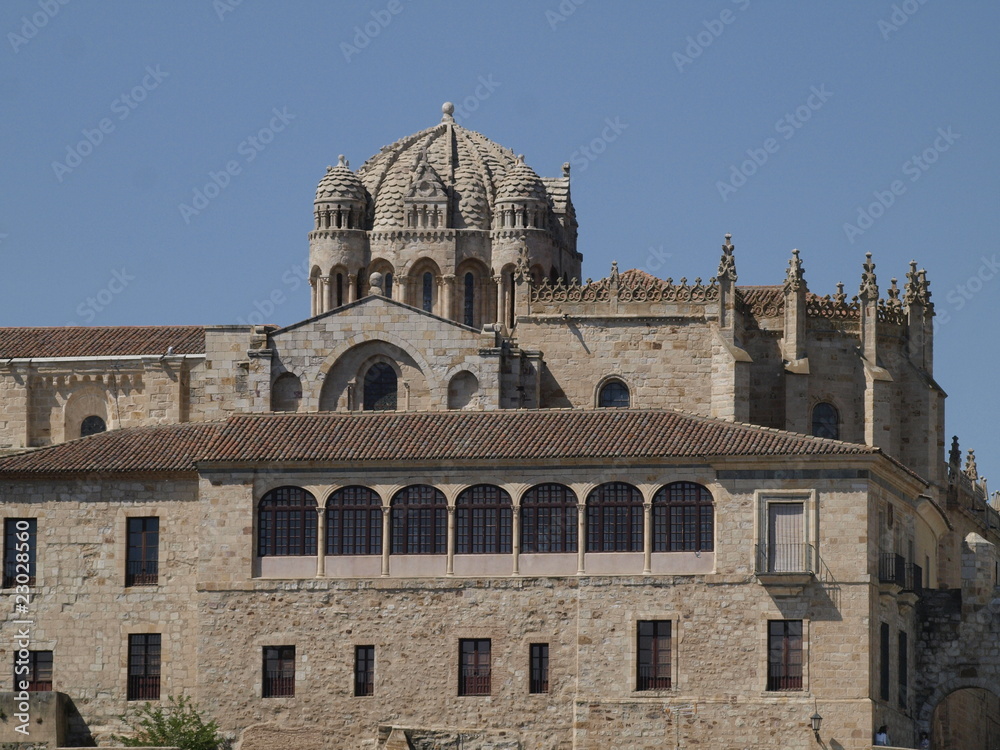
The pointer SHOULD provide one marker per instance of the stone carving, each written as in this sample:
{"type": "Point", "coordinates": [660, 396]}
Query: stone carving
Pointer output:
{"type": "Point", "coordinates": [916, 291]}
{"type": "Point", "coordinates": [631, 286]}
{"type": "Point", "coordinates": [970, 466]}
{"type": "Point", "coordinates": [727, 265]}
{"type": "Point", "coordinates": [833, 307]}
{"type": "Point", "coordinates": [891, 310]}
{"type": "Point", "coordinates": [869, 284]}
{"type": "Point", "coordinates": [795, 278]}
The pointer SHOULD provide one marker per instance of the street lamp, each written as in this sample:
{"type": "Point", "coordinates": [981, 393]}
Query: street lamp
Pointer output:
{"type": "Point", "coordinates": [816, 720]}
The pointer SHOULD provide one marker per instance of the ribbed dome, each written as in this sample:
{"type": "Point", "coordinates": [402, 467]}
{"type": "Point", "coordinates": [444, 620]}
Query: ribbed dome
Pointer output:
{"type": "Point", "coordinates": [521, 184]}
{"type": "Point", "coordinates": [470, 166]}
{"type": "Point", "coordinates": [340, 185]}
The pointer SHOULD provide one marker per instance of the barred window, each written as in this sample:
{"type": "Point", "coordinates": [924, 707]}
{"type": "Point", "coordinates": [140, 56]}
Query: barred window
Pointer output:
{"type": "Point", "coordinates": [539, 678]}
{"type": "Point", "coordinates": [142, 559]}
{"type": "Point", "coordinates": [474, 666]}
{"type": "Point", "coordinates": [784, 655]}
{"type": "Point", "coordinates": [364, 670]}
{"type": "Point", "coordinates": [279, 672]}
{"type": "Point", "coordinates": [653, 651]}
{"type": "Point", "coordinates": [483, 518]}
{"type": "Point", "coordinates": [287, 523]}
{"type": "Point", "coordinates": [419, 521]}
{"type": "Point", "coordinates": [34, 673]}
{"type": "Point", "coordinates": [683, 516]}
{"type": "Point", "coordinates": [354, 522]}
{"type": "Point", "coordinates": [614, 518]}
{"type": "Point", "coordinates": [144, 667]}
{"type": "Point", "coordinates": [549, 519]}
{"type": "Point", "coordinates": [19, 543]}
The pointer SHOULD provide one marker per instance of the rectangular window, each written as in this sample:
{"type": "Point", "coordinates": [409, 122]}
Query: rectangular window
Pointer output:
{"type": "Point", "coordinates": [786, 548]}
{"type": "Point", "coordinates": [364, 670]}
{"type": "Point", "coordinates": [144, 667]}
{"type": "Point", "coordinates": [784, 655]}
{"type": "Point", "coordinates": [279, 672]}
{"type": "Point", "coordinates": [539, 679]}
{"type": "Point", "coordinates": [19, 551]}
{"type": "Point", "coordinates": [884, 662]}
{"type": "Point", "coordinates": [903, 668]}
{"type": "Point", "coordinates": [474, 666]}
{"type": "Point", "coordinates": [143, 558]}
{"type": "Point", "coordinates": [653, 655]}
{"type": "Point", "coordinates": [34, 674]}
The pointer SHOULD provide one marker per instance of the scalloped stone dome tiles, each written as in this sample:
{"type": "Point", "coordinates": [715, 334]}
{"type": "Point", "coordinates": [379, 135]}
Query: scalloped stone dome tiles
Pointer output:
{"type": "Point", "coordinates": [340, 184]}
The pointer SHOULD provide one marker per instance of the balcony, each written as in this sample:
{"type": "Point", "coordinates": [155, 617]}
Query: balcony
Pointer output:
{"type": "Point", "coordinates": [785, 568]}
{"type": "Point", "coordinates": [899, 578]}
{"type": "Point", "coordinates": [142, 573]}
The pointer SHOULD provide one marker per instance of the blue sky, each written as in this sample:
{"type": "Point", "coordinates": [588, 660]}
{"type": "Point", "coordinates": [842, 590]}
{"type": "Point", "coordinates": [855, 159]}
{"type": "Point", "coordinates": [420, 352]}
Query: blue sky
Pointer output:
{"type": "Point", "coordinates": [836, 128]}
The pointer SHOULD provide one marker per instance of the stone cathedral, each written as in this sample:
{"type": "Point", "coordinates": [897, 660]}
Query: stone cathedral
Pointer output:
{"type": "Point", "coordinates": [477, 501]}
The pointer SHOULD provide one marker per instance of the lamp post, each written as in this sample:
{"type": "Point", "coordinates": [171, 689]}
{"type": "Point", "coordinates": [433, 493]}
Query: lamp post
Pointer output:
{"type": "Point", "coordinates": [816, 720]}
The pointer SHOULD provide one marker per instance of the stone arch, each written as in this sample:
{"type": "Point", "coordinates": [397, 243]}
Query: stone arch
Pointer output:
{"type": "Point", "coordinates": [86, 401]}
{"type": "Point", "coordinates": [286, 392]}
{"type": "Point", "coordinates": [389, 283]}
{"type": "Point", "coordinates": [961, 730]}
{"type": "Point", "coordinates": [339, 287]}
{"type": "Point", "coordinates": [342, 387]}
{"type": "Point", "coordinates": [474, 311]}
{"type": "Point", "coordinates": [463, 391]}
{"type": "Point", "coordinates": [416, 285]}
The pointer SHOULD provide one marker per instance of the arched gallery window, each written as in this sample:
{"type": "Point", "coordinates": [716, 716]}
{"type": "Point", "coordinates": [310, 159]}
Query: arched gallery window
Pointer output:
{"type": "Point", "coordinates": [470, 300]}
{"type": "Point", "coordinates": [428, 292]}
{"type": "Point", "coordinates": [354, 522]}
{"type": "Point", "coordinates": [387, 285]}
{"type": "Point", "coordinates": [614, 394]}
{"type": "Point", "coordinates": [683, 518]}
{"type": "Point", "coordinates": [380, 388]}
{"type": "Point", "coordinates": [549, 519]}
{"type": "Point", "coordinates": [483, 518]}
{"type": "Point", "coordinates": [92, 425]}
{"type": "Point", "coordinates": [614, 518]}
{"type": "Point", "coordinates": [826, 421]}
{"type": "Point", "coordinates": [419, 521]}
{"type": "Point", "coordinates": [286, 523]}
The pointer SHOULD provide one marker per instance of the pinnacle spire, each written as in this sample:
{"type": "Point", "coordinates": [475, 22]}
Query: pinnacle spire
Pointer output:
{"type": "Point", "coordinates": [869, 284]}
{"type": "Point", "coordinates": [727, 265]}
{"type": "Point", "coordinates": [795, 277]}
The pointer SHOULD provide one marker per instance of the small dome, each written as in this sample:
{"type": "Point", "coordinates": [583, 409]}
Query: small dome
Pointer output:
{"type": "Point", "coordinates": [521, 184]}
{"type": "Point", "coordinates": [341, 185]}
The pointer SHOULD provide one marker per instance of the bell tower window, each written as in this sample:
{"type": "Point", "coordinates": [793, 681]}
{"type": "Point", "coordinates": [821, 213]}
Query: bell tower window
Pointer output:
{"type": "Point", "coordinates": [428, 296]}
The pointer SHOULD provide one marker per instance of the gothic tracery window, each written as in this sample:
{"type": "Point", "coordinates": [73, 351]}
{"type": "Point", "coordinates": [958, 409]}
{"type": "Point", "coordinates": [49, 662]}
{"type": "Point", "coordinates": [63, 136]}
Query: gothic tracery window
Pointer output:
{"type": "Point", "coordinates": [826, 421]}
{"type": "Point", "coordinates": [614, 395]}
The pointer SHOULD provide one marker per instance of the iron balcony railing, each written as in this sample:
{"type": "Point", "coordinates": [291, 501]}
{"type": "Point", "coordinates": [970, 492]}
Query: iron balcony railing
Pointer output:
{"type": "Point", "coordinates": [475, 681]}
{"type": "Point", "coordinates": [893, 568]}
{"type": "Point", "coordinates": [144, 687]}
{"type": "Point", "coordinates": [142, 573]}
{"type": "Point", "coordinates": [653, 678]}
{"type": "Point", "coordinates": [278, 685]}
{"type": "Point", "coordinates": [786, 558]}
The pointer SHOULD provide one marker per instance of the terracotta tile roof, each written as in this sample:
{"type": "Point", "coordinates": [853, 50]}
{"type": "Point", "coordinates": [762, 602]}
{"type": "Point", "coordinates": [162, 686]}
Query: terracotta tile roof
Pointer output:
{"type": "Point", "coordinates": [100, 341]}
{"type": "Point", "coordinates": [162, 448]}
{"type": "Point", "coordinates": [421, 437]}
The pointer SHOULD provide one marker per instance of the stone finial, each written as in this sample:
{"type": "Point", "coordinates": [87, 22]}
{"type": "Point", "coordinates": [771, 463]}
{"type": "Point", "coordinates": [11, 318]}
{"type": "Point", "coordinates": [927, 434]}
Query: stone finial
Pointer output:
{"type": "Point", "coordinates": [893, 302]}
{"type": "Point", "coordinates": [916, 291]}
{"type": "Point", "coordinates": [869, 284]}
{"type": "Point", "coordinates": [522, 271]}
{"type": "Point", "coordinates": [342, 161]}
{"type": "Point", "coordinates": [727, 265]}
{"type": "Point", "coordinates": [840, 297]}
{"type": "Point", "coordinates": [375, 283]}
{"type": "Point", "coordinates": [954, 455]}
{"type": "Point", "coordinates": [447, 112]}
{"type": "Point", "coordinates": [795, 277]}
{"type": "Point", "coordinates": [970, 466]}
{"type": "Point", "coordinates": [565, 169]}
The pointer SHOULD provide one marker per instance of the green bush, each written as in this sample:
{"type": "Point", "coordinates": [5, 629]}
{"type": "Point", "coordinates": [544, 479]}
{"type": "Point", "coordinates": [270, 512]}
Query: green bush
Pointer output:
{"type": "Point", "coordinates": [178, 724]}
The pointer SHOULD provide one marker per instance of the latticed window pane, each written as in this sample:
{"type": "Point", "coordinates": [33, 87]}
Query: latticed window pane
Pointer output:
{"type": "Point", "coordinates": [287, 523]}
{"type": "Point", "coordinates": [279, 672]}
{"type": "Point", "coordinates": [143, 553]}
{"type": "Point", "coordinates": [19, 539]}
{"type": "Point", "coordinates": [683, 517]}
{"type": "Point", "coordinates": [784, 658]}
{"type": "Point", "coordinates": [549, 519]}
{"type": "Point", "coordinates": [653, 652]}
{"type": "Point", "coordinates": [419, 521]}
{"type": "Point", "coordinates": [484, 516]}
{"type": "Point", "coordinates": [474, 667]}
{"type": "Point", "coordinates": [354, 522]}
{"type": "Point", "coordinates": [614, 394]}
{"type": "Point", "coordinates": [92, 425]}
{"type": "Point", "coordinates": [380, 388]}
{"type": "Point", "coordinates": [826, 421]}
{"type": "Point", "coordinates": [539, 678]}
{"type": "Point", "coordinates": [143, 667]}
{"type": "Point", "coordinates": [614, 518]}
{"type": "Point", "coordinates": [364, 670]}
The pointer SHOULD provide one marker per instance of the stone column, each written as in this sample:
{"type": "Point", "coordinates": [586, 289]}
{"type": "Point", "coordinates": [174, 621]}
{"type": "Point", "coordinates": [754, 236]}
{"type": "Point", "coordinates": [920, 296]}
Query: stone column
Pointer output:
{"type": "Point", "coordinates": [320, 542]}
{"type": "Point", "coordinates": [515, 539]}
{"type": "Point", "coordinates": [450, 570]}
{"type": "Point", "coordinates": [647, 538]}
{"type": "Point", "coordinates": [352, 287]}
{"type": "Point", "coordinates": [581, 540]}
{"type": "Point", "coordinates": [448, 288]}
{"type": "Point", "coordinates": [498, 280]}
{"type": "Point", "coordinates": [386, 533]}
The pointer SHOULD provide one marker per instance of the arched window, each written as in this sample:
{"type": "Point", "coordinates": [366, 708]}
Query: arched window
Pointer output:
{"type": "Point", "coordinates": [419, 521]}
{"type": "Point", "coordinates": [92, 425]}
{"type": "Point", "coordinates": [614, 518]}
{"type": "Point", "coordinates": [286, 521]}
{"type": "Point", "coordinates": [380, 388]}
{"type": "Point", "coordinates": [826, 421]}
{"type": "Point", "coordinates": [483, 517]}
{"type": "Point", "coordinates": [549, 519]}
{"type": "Point", "coordinates": [614, 394]}
{"type": "Point", "coordinates": [354, 522]}
{"type": "Point", "coordinates": [428, 295]}
{"type": "Point", "coordinates": [387, 284]}
{"type": "Point", "coordinates": [286, 392]}
{"type": "Point", "coordinates": [683, 518]}
{"type": "Point", "coordinates": [470, 299]}
{"type": "Point", "coordinates": [340, 290]}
